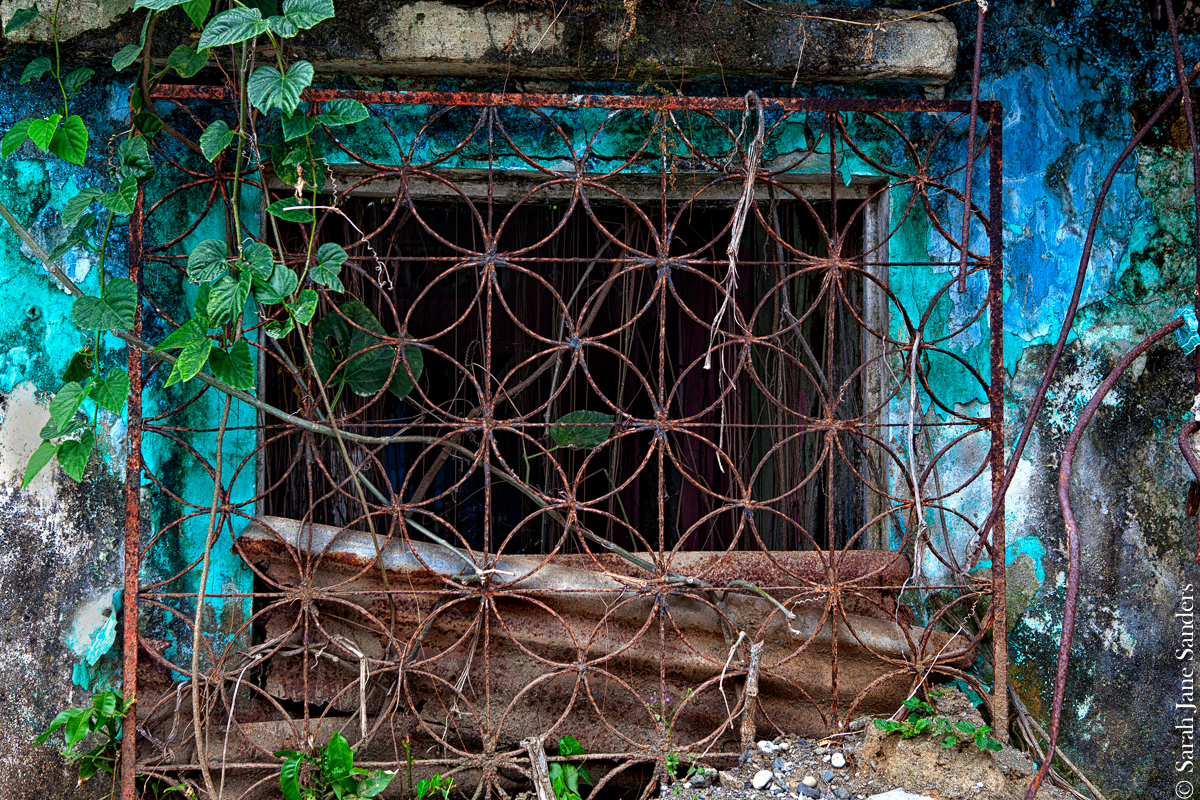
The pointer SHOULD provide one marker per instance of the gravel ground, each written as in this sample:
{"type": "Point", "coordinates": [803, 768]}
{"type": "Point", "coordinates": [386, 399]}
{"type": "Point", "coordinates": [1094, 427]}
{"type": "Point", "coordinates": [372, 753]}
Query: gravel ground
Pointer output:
{"type": "Point", "coordinates": [869, 765]}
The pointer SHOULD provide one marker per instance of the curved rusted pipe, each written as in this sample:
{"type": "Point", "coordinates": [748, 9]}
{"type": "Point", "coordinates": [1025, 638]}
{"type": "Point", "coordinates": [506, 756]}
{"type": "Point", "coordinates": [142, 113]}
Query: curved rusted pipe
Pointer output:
{"type": "Point", "coordinates": [1073, 561]}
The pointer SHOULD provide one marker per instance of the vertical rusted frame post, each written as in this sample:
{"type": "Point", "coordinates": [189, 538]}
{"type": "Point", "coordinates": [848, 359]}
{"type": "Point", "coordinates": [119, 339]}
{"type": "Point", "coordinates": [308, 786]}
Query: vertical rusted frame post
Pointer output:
{"type": "Point", "coordinates": [996, 401]}
{"type": "Point", "coordinates": [133, 517]}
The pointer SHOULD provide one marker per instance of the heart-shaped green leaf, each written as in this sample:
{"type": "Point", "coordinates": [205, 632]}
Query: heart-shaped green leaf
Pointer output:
{"type": "Point", "coordinates": [146, 123]}
{"type": "Point", "coordinates": [126, 56]}
{"type": "Point", "coordinates": [235, 368]}
{"type": "Point", "coordinates": [215, 138]}
{"type": "Point", "coordinates": [208, 261]}
{"type": "Point", "coordinates": [413, 362]}
{"type": "Point", "coordinates": [232, 27]}
{"type": "Point", "coordinates": [117, 310]}
{"type": "Point", "coordinates": [66, 403]}
{"type": "Point", "coordinates": [282, 27]}
{"type": "Point", "coordinates": [343, 111]}
{"type": "Point", "coordinates": [41, 131]}
{"type": "Point", "coordinates": [191, 360]}
{"type": "Point", "coordinates": [278, 330]}
{"type": "Point", "coordinates": [40, 458]}
{"type": "Point", "coordinates": [20, 18]}
{"type": "Point", "coordinates": [258, 260]}
{"type": "Point", "coordinates": [586, 430]}
{"type": "Point", "coordinates": [304, 307]}
{"type": "Point", "coordinates": [133, 160]}
{"type": "Point", "coordinates": [73, 457]}
{"type": "Point", "coordinates": [122, 200]}
{"type": "Point", "coordinates": [307, 13]}
{"type": "Point", "coordinates": [200, 304]}
{"type": "Point", "coordinates": [74, 208]}
{"type": "Point", "coordinates": [347, 343]}
{"type": "Point", "coordinates": [269, 89]}
{"type": "Point", "coordinates": [289, 209]}
{"type": "Point", "coordinates": [193, 331]}
{"type": "Point", "coordinates": [112, 392]}
{"type": "Point", "coordinates": [14, 137]}
{"type": "Point", "coordinates": [197, 11]}
{"type": "Point", "coordinates": [52, 431]}
{"type": "Point", "coordinates": [228, 298]}
{"type": "Point", "coordinates": [70, 141]}
{"type": "Point", "coordinates": [296, 126]}
{"type": "Point", "coordinates": [78, 235]}
{"type": "Point", "coordinates": [75, 79]}
{"type": "Point", "coordinates": [80, 366]}
{"type": "Point", "coordinates": [330, 258]}
{"type": "Point", "coordinates": [279, 287]}
{"type": "Point", "coordinates": [61, 249]}
{"type": "Point", "coordinates": [186, 61]}
{"type": "Point", "coordinates": [36, 69]}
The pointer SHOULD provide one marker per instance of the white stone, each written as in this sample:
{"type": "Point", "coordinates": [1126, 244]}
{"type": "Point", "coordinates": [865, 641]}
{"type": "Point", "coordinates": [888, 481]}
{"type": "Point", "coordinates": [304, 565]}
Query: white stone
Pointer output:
{"type": "Point", "coordinates": [762, 778]}
{"type": "Point", "coordinates": [810, 781]}
{"type": "Point", "coordinates": [837, 761]}
{"type": "Point", "coordinates": [767, 747]}
{"type": "Point", "coordinates": [785, 745]}
{"type": "Point", "coordinates": [729, 780]}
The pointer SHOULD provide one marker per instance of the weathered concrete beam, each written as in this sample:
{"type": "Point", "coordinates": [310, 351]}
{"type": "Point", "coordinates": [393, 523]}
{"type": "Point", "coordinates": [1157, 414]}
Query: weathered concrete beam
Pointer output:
{"type": "Point", "coordinates": [426, 38]}
{"type": "Point", "coordinates": [791, 41]}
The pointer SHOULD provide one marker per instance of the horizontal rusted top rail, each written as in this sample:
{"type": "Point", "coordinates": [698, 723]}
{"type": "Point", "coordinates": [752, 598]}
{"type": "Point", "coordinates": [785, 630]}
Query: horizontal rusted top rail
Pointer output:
{"type": "Point", "coordinates": [617, 102]}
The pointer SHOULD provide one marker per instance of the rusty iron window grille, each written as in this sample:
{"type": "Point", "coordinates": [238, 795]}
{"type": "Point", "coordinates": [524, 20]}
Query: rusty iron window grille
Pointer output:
{"type": "Point", "coordinates": [745, 480]}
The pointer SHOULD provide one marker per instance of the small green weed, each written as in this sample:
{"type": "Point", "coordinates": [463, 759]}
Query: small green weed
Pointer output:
{"type": "Point", "coordinates": [437, 783]}
{"type": "Point", "coordinates": [331, 774]}
{"type": "Point", "coordinates": [102, 718]}
{"type": "Point", "coordinates": [565, 775]}
{"type": "Point", "coordinates": [921, 720]}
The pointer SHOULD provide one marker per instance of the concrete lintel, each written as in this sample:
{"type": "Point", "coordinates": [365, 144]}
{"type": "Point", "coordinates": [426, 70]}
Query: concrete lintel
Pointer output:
{"type": "Point", "coordinates": [791, 42]}
{"type": "Point", "coordinates": [432, 39]}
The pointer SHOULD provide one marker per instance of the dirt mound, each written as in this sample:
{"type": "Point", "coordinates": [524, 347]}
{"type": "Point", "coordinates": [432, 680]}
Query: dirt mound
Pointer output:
{"type": "Point", "coordinates": [870, 763]}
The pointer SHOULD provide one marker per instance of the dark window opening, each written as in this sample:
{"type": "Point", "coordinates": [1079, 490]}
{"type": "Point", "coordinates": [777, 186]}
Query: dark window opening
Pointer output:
{"type": "Point", "coordinates": [646, 318]}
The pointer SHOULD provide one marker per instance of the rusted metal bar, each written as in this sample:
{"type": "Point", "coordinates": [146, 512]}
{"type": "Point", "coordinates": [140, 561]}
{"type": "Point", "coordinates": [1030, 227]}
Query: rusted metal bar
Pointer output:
{"type": "Point", "coordinates": [964, 243]}
{"type": "Point", "coordinates": [169, 91]}
{"type": "Point", "coordinates": [999, 546]}
{"type": "Point", "coordinates": [532, 584]}
{"type": "Point", "coordinates": [133, 518]}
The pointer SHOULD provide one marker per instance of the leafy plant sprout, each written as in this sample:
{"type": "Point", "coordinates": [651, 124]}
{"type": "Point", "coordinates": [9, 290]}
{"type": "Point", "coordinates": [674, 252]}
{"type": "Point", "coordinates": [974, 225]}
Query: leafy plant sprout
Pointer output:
{"type": "Point", "coordinates": [437, 783]}
{"type": "Point", "coordinates": [102, 721]}
{"type": "Point", "coordinates": [921, 719]}
{"type": "Point", "coordinates": [566, 775]}
{"type": "Point", "coordinates": [658, 705]}
{"type": "Point", "coordinates": [331, 774]}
